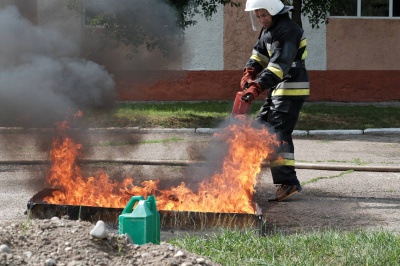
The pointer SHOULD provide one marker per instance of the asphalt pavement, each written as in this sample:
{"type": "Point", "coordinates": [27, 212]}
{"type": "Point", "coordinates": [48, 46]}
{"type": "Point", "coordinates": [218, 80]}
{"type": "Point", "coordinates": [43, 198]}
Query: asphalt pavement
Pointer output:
{"type": "Point", "coordinates": [351, 178]}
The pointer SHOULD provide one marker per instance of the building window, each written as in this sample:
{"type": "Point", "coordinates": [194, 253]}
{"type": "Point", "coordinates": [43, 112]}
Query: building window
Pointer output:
{"type": "Point", "coordinates": [396, 8]}
{"type": "Point", "coordinates": [366, 8]}
{"type": "Point", "coordinates": [344, 8]}
{"type": "Point", "coordinates": [375, 8]}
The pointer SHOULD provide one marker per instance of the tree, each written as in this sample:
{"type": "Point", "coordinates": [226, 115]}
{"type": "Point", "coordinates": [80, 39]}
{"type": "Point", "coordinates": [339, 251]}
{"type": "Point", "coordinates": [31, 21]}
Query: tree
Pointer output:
{"type": "Point", "coordinates": [317, 11]}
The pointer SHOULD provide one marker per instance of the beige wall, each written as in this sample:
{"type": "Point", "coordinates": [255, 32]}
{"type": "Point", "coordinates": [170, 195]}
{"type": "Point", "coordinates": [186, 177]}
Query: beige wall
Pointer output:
{"type": "Point", "coordinates": [239, 38]}
{"type": "Point", "coordinates": [363, 44]}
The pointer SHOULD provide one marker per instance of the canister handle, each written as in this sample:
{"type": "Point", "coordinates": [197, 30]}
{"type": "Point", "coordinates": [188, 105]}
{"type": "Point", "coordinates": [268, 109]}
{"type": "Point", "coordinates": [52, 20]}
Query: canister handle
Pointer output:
{"type": "Point", "coordinates": [129, 207]}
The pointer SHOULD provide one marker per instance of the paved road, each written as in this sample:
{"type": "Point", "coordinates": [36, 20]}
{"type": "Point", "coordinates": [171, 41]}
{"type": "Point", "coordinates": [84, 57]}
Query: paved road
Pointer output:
{"type": "Point", "coordinates": [331, 198]}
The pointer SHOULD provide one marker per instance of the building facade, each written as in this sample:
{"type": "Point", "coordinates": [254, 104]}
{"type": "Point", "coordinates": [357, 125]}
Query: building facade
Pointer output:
{"type": "Point", "coordinates": [354, 58]}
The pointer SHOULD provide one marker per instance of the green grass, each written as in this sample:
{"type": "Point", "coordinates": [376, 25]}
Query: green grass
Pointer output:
{"type": "Point", "coordinates": [162, 140]}
{"type": "Point", "coordinates": [321, 116]}
{"type": "Point", "coordinates": [210, 114]}
{"type": "Point", "coordinates": [327, 247]}
{"type": "Point", "coordinates": [315, 179]}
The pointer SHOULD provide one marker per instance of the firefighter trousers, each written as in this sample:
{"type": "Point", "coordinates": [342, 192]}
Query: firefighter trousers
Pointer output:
{"type": "Point", "coordinates": [280, 115]}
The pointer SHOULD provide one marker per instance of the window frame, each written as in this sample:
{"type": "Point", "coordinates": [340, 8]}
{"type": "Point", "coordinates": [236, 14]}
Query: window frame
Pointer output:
{"type": "Point", "coordinates": [370, 17]}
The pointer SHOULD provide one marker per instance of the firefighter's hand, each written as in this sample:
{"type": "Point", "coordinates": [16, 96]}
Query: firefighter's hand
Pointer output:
{"type": "Point", "coordinates": [248, 75]}
{"type": "Point", "coordinates": [252, 92]}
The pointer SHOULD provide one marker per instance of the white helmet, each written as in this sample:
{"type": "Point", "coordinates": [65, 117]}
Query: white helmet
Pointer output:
{"type": "Point", "coordinates": [272, 6]}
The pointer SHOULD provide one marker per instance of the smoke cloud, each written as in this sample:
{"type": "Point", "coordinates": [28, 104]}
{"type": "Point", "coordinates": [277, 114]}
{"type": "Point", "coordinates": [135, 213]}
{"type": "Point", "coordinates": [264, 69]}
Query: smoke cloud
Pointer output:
{"type": "Point", "coordinates": [153, 39]}
{"type": "Point", "coordinates": [42, 78]}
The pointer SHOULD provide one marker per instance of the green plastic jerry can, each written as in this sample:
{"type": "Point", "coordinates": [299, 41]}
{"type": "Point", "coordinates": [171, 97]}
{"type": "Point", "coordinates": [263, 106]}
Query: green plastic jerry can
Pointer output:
{"type": "Point", "coordinates": [142, 224]}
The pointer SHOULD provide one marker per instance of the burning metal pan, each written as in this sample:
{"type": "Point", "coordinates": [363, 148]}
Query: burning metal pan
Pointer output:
{"type": "Point", "coordinates": [176, 220]}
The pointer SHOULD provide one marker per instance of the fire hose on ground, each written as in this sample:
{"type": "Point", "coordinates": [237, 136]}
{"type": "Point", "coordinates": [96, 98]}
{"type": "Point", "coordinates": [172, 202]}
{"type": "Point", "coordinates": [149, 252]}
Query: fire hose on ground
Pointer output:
{"type": "Point", "coordinates": [310, 166]}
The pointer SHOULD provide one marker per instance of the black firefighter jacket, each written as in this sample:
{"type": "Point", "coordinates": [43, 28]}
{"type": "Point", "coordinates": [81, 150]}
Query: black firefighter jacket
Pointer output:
{"type": "Point", "coordinates": [278, 58]}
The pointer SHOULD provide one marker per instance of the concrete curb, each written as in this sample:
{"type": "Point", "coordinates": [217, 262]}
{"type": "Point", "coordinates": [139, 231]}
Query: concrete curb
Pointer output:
{"type": "Point", "coordinates": [128, 130]}
{"type": "Point", "coordinates": [382, 131]}
{"type": "Point", "coordinates": [335, 132]}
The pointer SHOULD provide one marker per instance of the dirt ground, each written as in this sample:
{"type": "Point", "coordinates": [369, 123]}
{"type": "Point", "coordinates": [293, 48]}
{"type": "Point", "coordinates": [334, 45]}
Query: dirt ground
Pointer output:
{"type": "Point", "coordinates": [67, 242]}
{"type": "Point", "coordinates": [340, 199]}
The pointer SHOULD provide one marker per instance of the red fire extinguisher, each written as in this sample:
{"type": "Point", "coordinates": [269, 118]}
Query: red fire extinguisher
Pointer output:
{"type": "Point", "coordinates": [240, 106]}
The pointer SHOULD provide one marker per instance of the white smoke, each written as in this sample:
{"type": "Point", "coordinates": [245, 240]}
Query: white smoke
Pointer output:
{"type": "Point", "coordinates": [42, 78]}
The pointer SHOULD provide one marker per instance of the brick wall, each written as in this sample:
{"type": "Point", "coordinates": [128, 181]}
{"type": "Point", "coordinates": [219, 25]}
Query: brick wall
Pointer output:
{"type": "Point", "coordinates": [334, 85]}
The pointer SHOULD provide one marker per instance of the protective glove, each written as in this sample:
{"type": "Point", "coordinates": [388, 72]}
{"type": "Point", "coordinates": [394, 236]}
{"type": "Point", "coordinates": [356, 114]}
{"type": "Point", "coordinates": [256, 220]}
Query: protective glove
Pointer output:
{"type": "Point", "coordinates": [248, 75]}
{"type": "Point", "coordinates": [254, 89]}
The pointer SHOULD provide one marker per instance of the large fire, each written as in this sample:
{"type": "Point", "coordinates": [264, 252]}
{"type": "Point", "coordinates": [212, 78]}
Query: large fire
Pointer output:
{"type": "Point", "coordinates": [228, 191]}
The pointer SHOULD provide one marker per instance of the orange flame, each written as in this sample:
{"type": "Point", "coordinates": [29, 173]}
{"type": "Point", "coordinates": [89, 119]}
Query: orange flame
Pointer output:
{"type": "Point", "coordinates": [230, 191]}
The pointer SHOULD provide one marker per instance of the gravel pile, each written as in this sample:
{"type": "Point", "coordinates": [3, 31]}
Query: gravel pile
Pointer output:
{"type": "Point", "coordinates": [67, 242]}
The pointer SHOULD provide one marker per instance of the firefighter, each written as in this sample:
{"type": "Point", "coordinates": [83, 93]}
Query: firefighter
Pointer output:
{"type": "Point", "coordinates": [277, 65]}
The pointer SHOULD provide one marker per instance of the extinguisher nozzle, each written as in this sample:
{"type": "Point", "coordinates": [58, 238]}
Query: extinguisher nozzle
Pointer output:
{"type": "Point", "coordinates": [247, 98]}
{"type": "Point", "coordinates": [242, 103]}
